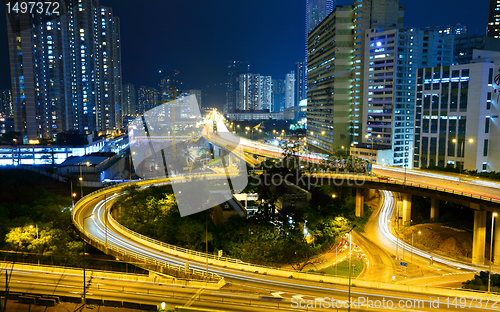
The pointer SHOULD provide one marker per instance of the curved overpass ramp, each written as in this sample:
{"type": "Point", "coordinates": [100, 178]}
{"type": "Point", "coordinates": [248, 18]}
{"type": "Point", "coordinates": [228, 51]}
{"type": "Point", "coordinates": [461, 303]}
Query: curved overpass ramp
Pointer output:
{"type": "Point", "coordinates": [91, 217]}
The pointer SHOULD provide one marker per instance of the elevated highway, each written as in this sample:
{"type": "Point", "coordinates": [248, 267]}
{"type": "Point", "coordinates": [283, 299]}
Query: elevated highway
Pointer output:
{"type": "Point", "coordinates": [91, 216]}
{"type": "Point", "coordinates": [101, 230]}
{"type": "Point", "coordinates": [482, 196]}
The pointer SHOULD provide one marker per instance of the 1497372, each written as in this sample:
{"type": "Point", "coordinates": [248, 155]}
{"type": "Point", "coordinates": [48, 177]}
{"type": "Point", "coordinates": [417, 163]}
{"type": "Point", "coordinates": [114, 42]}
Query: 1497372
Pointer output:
{"type": "Point", "coordinates": [33, 7]}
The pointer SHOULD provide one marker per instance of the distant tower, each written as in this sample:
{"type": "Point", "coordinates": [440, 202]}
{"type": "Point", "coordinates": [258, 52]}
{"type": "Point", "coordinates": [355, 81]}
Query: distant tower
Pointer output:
{"type": "Point", "coordinates": [290, 90]}
{"type": "Point", "coordinates": [300, 82]}
{"type": "Point", "coordinates": [278, 95]}
{"type": "Point", "coordinates": [234, 70]}
{"type": "Point", "coordinates": [493, 29]}
{"type": "Point", "coordinates": [129, 101]}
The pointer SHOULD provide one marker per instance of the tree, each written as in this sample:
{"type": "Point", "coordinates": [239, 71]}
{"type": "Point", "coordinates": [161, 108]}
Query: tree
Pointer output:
{"type": "Point", "coordinates": [71, 138]}
{"type": "Point", "coordinates": [8, 137]}
{"type": "Point", "coordinates": [50, 241]}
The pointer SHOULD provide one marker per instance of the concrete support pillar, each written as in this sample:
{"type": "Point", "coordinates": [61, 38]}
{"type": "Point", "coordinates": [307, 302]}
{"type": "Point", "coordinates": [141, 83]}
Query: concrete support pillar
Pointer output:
{"type": "Point", "coordinates": [371, 193]}
{"type": "Point", "coordinates": [479, 237]}
{"type": "Point", "coordinates": [496, 242]}
{"type": "Point", "coordinates": [406, 199]}
{"type": "Point", "coordinates": [360, 202]}
{"type": "Point", "coordinates": [434, 208]}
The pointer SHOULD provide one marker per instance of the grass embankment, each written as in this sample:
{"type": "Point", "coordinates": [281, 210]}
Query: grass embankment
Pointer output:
{"type": "Point", "coordinates": [343, 269]}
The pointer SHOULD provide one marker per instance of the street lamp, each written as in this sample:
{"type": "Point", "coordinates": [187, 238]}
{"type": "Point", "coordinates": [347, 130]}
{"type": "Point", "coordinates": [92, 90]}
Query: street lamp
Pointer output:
{"type": "Point", "coordinates": [491, 248]}
{"type": "Point", "coordinates": [350, 265]}
{"type": "Point", "coordinates": [462, 154]}
{"type": "Point", "coordinates": [31, 226]}
{"type": "Point", "coordinates": [81, 179]}
{"type": "Point", "coordinates": [84, 285]}
{"type": "Point", "coordinates": [406, 161]}
{"type": "Point", "coordinates": [412, 250]}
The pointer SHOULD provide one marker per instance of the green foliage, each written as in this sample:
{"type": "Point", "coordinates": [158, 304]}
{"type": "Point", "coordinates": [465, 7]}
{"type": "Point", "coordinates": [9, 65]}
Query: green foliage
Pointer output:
{"type": "Point", "coordinates": [269, 238]}
{"type": "Point", "coordinates": [8, 137]}
{"type": "Point", "coordinates": [50, 240]}
{"type": "Point", "coordinates": [71, 138]}
{"type": "Point", "coordinates": [343, 269]}
{"type": "Point", "coordinates": [480, 282]}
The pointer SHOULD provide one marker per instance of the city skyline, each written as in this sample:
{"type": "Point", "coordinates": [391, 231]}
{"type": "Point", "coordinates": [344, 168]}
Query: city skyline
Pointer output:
{"type": "Point", "coordinates": [272, 46]}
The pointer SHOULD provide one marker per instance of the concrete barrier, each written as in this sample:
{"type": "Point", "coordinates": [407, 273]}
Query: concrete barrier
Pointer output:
{"type": "Point", "coordinates": [46, 302]}
{"type": "Point", "coordinates": [27, 300]}
{"type": "Point", "coordinates": [111, 275]}
{"type": "Point", "coordinates": [245, 267]}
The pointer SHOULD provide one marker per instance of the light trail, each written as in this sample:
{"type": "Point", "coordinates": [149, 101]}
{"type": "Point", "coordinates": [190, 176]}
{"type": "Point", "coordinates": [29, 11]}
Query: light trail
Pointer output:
{"type": "Point", "coordinates": [385, 227]}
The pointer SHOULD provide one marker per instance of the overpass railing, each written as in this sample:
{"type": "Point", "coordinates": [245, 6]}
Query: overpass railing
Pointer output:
{"type": "Point", "coordinates": [127, 253]}
{"type": "Point", "coordinates": [187, 252]}
{"type": "Point", "coordinates": [173, 247]}
{"type": "Point", "coordinates": [365, 178]}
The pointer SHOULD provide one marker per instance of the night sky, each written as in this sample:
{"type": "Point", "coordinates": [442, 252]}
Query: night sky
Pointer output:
{"type": "Point", "coordinates": [197, 38]}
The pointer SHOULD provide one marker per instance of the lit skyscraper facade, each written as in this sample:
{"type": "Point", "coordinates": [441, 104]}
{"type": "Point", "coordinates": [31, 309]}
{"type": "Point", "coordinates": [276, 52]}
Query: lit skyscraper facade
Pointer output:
{"type": "Point", "coordinates": [391, 59]}
{"type": "Point", "coordinates": [456, 115]}
{"type": "Point", "coordinates": [66, 70]}
{"type": "Point", "coordinates": [234, 70]}
{"type": "Point", "coordinates": [6, 103]}
{"type": "Point", "coordinates": [300, 82]}
{"type": "Point", "coordinates": [278, 95]}
{"type": "Point", "coordinates": [464, 45]}
{"type": "Point", "coordinates": [290, 89]}
{"type": "Point", "coordinates": [255, 92]}
{"type": "Point", "coordinates": [266, 92]}
{"type": "Point", "coordinates": [108, 70]}
{"type": "Point", "coordinates": [317, 11]}
{"type": "Point", "coordinates": [335, 70]}
{"type": "Point", "coordinates": [129, 101]}
{"type": "Point", "coordinates": [493, 29]}
{"type": "Point", "coordinates": [147, 98]}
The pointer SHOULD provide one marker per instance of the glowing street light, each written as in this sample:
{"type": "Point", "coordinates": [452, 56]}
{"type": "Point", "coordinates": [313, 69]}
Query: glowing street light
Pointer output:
{"type": "Point", "coordinates": [462, 153]}
{"type": "Point", "coordinates": [84, 285]}
{"type": "Point", "coordinates": [350, 265]}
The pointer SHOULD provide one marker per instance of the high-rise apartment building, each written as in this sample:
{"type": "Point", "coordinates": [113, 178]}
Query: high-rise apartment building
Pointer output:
{"type": "Point", "coordinates": [234, 70]}
{"type": "Point", "coordinates": [317, 11]}
{"type": "Point", "coordinates": [108, 69]}
{"type": "Point", "coordinates": [65, 69]}
{"type": "Point", "coordinates": [147, 98]}
{"type": "Point", "coordinates": [129, 101]}
{"type": "Point", "coordinates": [165, 88]}
{"type": "Point", "coordinates": [300, 82]}
{"type": "Point", "coordinates": [464, 45]}
{"type": "Point", "coordinates": [255, 92]}
{"type": "Point", "coordinates": [266, 93]}
{"type": "Point", "coordinates": [335, 70]}
{"type": "Point", "coordinates": [493, 29]}
{"type": "Point", "coordinates": [457, 109]}
{"type": "Point", "coordinates": [290, 89]}
{"type": "Point", "coordinates": [248, 94]}
{"type": "Point", "coordinates": [391, 58]}
{"type": "Point", "coordinates": [278, 95]}
{"type": "Point", "coordinates": [6, 103]}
